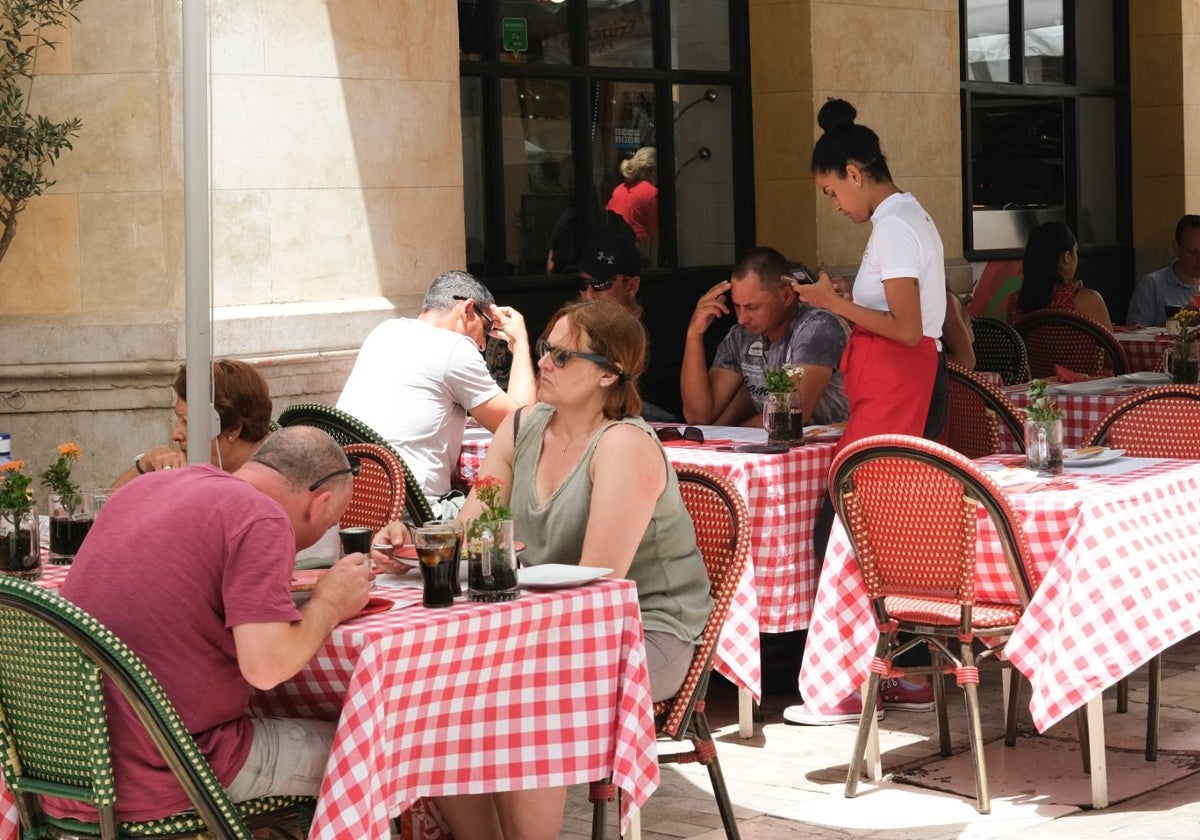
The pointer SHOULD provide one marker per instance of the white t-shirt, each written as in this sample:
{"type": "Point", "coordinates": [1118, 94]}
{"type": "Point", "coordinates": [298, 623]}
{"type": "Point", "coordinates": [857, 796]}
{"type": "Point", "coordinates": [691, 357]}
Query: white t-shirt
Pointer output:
{"type": "Point", "coordinates": [904, 243]}
{"type": "Point", "coordinates": [414, 384]}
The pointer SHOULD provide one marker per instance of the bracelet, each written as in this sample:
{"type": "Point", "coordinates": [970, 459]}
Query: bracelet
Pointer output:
{"type": "Point", "coordinates": [137, 464]}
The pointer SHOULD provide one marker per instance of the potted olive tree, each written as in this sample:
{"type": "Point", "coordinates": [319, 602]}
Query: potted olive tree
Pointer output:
{"type": "Point", "coordinates": [29, 143]}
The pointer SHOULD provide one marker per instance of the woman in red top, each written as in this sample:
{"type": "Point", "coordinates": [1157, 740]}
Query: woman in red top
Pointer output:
{"type": "Point", "coordinates": [636, 200]}
{"type": "Point", "coordinates": [1051, 258]}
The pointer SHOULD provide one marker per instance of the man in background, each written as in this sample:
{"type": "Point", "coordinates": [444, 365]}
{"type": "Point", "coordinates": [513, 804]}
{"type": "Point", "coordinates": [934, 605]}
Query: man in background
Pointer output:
{"type": "Point", "coordinates": [1173, 286]}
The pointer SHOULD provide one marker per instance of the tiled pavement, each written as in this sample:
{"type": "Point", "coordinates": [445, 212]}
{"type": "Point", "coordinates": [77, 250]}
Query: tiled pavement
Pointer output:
{"type": "Point", "coordinates": [787, 781]}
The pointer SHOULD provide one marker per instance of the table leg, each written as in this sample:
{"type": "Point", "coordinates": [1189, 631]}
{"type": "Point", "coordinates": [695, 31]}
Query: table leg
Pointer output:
{"type": "Point", "coordinates": [1099, 766]}
{"type": "Point", "coordinates": [745, 714]}
{"type": "Point", "coordinates": [635, 826]}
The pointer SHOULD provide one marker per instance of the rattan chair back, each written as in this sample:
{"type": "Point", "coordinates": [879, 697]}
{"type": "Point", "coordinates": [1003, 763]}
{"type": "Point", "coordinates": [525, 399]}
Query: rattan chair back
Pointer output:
{"type": "Point", "coordinates": [911, 511]}
{"type": "Point", "coordinates": [54, 661]}
{"type": "Point", "coordinates": [1000, 349]}
{"type": "Point", "coordinates": [1073, 341]}
{"type": "Point", "coordinates": [346, 429]}
{"type": "Point", "coordinates": [722, 525]}
{"type": "Point", "coordinates": [978, 410]}
{"type": "Point", "coordinates": [1159, 422]}
{"type": "Point", "coordinates": [378, 488]}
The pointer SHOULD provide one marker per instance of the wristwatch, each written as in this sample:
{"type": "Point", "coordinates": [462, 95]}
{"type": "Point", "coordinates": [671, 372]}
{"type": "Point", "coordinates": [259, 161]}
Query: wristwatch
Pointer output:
{"type": "Point", "coordinates": [137, 464]}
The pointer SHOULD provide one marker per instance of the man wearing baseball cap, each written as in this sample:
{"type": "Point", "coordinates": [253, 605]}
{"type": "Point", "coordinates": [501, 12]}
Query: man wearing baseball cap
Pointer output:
{"type": "Point", "coordinates": [610, 269]}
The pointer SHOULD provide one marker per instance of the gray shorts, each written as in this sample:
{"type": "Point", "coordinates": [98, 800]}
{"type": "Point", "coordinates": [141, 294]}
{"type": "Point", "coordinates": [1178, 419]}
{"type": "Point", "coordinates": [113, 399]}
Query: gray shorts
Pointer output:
{"type": "Point", "coordinates": [668, 658]}
{"type": "Point", "coordinates": [287, 758]}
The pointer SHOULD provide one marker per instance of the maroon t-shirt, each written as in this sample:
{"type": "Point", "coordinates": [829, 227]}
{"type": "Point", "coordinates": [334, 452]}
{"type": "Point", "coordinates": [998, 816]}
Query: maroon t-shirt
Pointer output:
{"type": "Point", "coordinates": [174, 561]}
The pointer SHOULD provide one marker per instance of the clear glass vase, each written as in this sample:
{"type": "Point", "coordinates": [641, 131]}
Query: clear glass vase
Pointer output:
{"type": "Point", "coordinates": [783, 418]}
{"type": "Point", "coordinates": [491, 561]}
{"type": "Point", "coordinates": [22, 552]}
{"type": "Point", "coordinates": [1044, 445]}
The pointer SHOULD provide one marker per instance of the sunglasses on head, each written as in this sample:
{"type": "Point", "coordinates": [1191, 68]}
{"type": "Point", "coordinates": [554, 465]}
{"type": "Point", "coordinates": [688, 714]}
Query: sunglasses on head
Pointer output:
{"type": "Point", "coordinates": [488, 322]}
{"type": "Point", "coordinates": [594, 283]}
{"type": "Point", "coordinates": [670, 433]}
{"type": "Point", "coordinates": [354, 469]}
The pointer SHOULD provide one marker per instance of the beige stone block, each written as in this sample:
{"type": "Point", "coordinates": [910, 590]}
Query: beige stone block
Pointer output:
{"type": "Point", "coordinates": [278, 132]}
{"type": "Point", "coordinates": [1191, 189]}
{"type": "Point", "coordinates": [242, 247]}
{"type": "Point", "coordinates": [117, 36]}
{"type": "Point", "coordinates": [40, 272]}
{"type": "Point", "coordinates": [336, 244]}
{"type": "Point", "coordinates": [781, 53]}
{"type": "Point", "coordinates": [121, 253]}
{"type": "Point", "coordinates": [784, 133]}
{"type": "Point", "coordinates": [57, 59]}
{"type": "Point", "coordinates": [1155, 70]}
{"type": "Point", "coordinates": [118, 146]}
{"type": "Point", "coordinates": [1155, 140]}
{"type": "Point", "coordinates": [942, 198]}
{"type": "Point", "coordinates": [1190, 51]}
{"type": "Point", "coordinates": [239, 36]}
{"type": "Point", "coordinates": [873, 46]}
{"type": "Point", "coordinates": [1158, 17]}
{"type": "Point", "coordinates": [361, 39]}
{"type": "Point", "coordinates": [173, 248]}
{"type": "Point", "coordinates": [920, 133]}
{"type": "Point", "coordinates": [1157, 203]}
{"type": "Point", "coordinates": [785, 214]}
{"type": "Point", "coordinates": [170, 129]}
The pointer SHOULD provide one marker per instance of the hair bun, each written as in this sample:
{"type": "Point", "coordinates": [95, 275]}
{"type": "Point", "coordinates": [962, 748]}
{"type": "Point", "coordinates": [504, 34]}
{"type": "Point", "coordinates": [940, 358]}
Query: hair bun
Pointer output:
{"type": "Point", "coordinates": [836, 114]}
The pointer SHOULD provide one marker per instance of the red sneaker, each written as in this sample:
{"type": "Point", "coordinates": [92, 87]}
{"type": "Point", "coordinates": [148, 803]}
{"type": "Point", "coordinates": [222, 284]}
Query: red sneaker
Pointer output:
{"type": "Point", "coordinates": [847, 711]}
{"type": "Point", "coordinates": [904, 696]}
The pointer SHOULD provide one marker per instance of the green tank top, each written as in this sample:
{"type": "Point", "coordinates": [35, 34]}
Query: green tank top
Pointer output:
{"type": "Point", "coordinates": [672, 584]}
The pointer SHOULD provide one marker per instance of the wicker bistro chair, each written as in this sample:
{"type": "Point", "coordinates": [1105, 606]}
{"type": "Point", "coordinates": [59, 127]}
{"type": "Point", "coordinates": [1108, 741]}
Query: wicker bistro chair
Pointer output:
{"type": "Point", "coordinates": [54, 662]}
{"type": "Point", "coordinates": [723, 536]}
{"type": "Point", "coordinates": [999, 348]}
{"type": "Point", "coordinates": [378, 488]}
{"type": "Point", "coordinates": [977, 410]}
{"type": "Point", "coordinates": [1055, 337]}
{"type": "Point", "coordinates": [346, 429]}
{"type": "Point", "coordinates": [910, 508]}
{"type": "Point", "coordinates": [1157, 423]}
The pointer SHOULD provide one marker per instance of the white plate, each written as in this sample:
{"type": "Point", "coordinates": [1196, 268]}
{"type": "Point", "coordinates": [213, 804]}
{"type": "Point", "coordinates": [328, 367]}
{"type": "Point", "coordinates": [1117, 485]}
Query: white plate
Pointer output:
{"type": "Point", "coordinates": [1091, 386]}
{"type": "Point", "coordinates": [1148, 377]}
{"type": "Point", "coordinates": [831, 432]}
{"type": "Point", "coordinates": [558, 575]}
{"type": "Point", "coordinates": [1069, 459]}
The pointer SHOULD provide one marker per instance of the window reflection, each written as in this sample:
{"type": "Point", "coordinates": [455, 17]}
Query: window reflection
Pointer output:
{"type": "Point", "coordinates": [987, 31]}
{"type": "Point", "coordinates": [620, 34]}
{"type": "Point", "coordinates": [703, 175]}
{"type": "Point", "coordinates": [700, 34]}
{"type": "Point", "coordinates": [547, 39]}
{"type": "Point", "coordinates": [622, 124]}
{"type": "Point", "coordinates": [1043, 57]}
{"type": "Point", "coordinates": [538, 169]}
{"type": "Point", "coordinates": [471, 99]}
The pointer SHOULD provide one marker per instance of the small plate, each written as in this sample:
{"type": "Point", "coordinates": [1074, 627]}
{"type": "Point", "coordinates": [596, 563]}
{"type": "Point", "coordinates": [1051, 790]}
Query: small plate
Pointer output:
{"type": "Point", "coordinates": [824, 433]}
{"type": "Point", "coordinates": [1147, 377]}
{"type": "Point", "coordinates": [1072, 461]}
{"type": "Point", "coordinates": [1089, 386]}
{"type": "Point", "coordinates": [558, 575]}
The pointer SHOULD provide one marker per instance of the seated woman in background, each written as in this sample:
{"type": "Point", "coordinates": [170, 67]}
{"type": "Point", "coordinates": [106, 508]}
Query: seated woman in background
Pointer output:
{"type": "Point", "coordinates": [588, 482]}
{"type": "Point", "coordinates": [243, 402]}
{"type": "Point", "coordinates": [1051, 258]}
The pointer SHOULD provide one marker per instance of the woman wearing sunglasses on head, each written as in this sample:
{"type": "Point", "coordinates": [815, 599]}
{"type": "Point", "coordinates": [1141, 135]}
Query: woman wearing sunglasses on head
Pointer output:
{"type": "Point", "coordinates": [588, 482]}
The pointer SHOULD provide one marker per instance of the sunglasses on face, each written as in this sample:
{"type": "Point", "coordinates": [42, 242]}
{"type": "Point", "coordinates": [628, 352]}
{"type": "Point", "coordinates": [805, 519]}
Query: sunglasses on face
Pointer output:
{"type": "Point", "coordinates": [354, 469]}
{"type": "Point", "coordinates": [559, 356]}
{"type": "Point", "coordinates": [669, 433]}
{"type": "Point", "coordinates": [488, 322]}
{"type": "Point", "coordinates": [596, 285]}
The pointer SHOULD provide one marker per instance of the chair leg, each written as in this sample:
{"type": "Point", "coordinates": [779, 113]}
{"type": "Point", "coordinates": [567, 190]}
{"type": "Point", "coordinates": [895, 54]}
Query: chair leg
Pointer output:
{"type": "Point", "coordinates": [1085, 744]}
{"type": "Point", "coordinates": [975, 735]}
{"type": "Point", "coordinates": [941, 709]}
{"type": "Point", "coordinates": [866, 721]}
{"type": "Point", "coordinates": [1122, 695]}
{"type": "Point", "coordinates": [600, 794]}
{"type": "Point", "coordinates": [1152, 701]}
{"type": "Point", "coordinates": [703, 735]}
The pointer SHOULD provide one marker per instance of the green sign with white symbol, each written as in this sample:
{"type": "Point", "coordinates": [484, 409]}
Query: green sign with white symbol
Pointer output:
{"type": "Point", "coordinates": [515, 33]}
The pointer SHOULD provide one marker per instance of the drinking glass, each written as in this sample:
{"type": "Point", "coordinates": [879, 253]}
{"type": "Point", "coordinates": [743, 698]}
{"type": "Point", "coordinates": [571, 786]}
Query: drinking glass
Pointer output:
{"type": "Point", "coordinates": [455, 581]}
{"type": "Point", "coordinates": [355, 540]}
{"type": "Point", "coordinates": [491, 561]}
{"type": "Point", "coordinates": [436, 546]}
{"type": "Point", "coordinates": [70, 522]}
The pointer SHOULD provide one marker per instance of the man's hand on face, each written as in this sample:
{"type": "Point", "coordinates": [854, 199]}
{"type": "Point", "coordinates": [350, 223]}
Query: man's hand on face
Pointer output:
{"type": "Point", "coordinates": [711, 306]}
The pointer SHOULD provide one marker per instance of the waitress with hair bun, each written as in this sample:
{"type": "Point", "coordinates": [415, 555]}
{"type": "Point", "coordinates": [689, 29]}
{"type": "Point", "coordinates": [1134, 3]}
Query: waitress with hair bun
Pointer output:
{"type": "Point", "coordinates": [891, 362]}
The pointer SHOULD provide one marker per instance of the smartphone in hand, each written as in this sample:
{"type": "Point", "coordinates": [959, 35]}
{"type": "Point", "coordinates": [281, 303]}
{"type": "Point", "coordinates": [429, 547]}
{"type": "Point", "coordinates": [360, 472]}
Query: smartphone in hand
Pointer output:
{"type": "Point", "coordinates": [799, 273]}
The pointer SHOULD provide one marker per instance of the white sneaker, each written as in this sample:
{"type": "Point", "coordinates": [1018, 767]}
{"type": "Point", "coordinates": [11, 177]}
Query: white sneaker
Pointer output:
{"type": "Point", "coordinates": [847, 711]}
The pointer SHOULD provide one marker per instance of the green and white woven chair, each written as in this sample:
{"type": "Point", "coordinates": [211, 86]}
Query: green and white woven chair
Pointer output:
{"type": "Point", "coordinates": [54, 737]}
{"type": "Point", "coordinates": [346, 429]}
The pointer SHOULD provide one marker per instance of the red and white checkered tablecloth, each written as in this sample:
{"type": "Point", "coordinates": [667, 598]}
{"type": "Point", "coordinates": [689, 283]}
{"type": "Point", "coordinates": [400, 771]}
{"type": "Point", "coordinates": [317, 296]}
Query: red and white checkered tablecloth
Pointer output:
{"type": "Point", "coordinates": [1081, 414]}
{"type": "Point", "coordinates": [1144, 348]}
{"type": "Point", "coordinates": [1120, 562]}
{"type": "Point", "coordinates": [783, 494]}
{"type": "Point", "coordinates": [547, 690]}
{"type": "Point", "coordinates": [544, 691]}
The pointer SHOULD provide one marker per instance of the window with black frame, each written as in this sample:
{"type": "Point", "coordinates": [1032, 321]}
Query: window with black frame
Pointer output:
{"type": "Point", "coordinates": [579, 114]}
{"type": "Point", "coordinates": [1045, 101]}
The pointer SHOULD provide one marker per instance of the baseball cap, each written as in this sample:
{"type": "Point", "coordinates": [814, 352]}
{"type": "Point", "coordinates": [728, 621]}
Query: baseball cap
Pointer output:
{"type": "Point", "coordinates": [611, 251]}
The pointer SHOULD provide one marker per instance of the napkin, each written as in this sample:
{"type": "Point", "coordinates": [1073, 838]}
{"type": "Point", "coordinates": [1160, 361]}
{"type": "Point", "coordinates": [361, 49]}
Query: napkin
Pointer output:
{"type": "Point", "coordinates": [1066, 376]}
